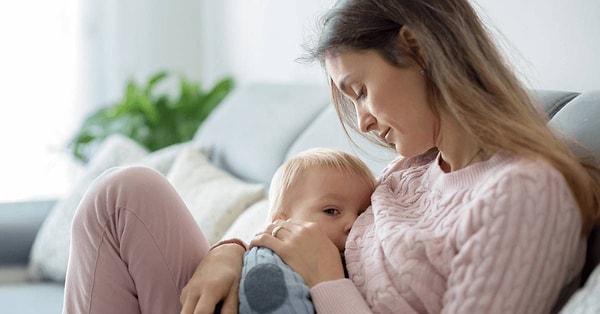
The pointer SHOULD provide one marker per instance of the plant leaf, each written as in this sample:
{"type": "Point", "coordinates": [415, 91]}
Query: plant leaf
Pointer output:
{"type": "Point", "coordinates": [153, 121]}
{"type": "Point", "coordinates": [154, 80]}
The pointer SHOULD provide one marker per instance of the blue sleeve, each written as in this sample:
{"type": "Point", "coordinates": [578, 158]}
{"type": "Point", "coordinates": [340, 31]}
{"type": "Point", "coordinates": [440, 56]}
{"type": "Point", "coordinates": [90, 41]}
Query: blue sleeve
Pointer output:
{"type": "Point", "coordinates": [268, 285]}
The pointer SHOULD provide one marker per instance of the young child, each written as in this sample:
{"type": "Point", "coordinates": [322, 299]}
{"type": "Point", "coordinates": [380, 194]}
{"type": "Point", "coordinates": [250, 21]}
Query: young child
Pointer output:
{"type": "Point", "coordinates": [325, 186]}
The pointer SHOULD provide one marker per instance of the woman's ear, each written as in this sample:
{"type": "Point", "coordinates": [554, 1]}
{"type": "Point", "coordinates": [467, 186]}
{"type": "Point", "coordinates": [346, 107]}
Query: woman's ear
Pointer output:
{"type": "Point", "coordinates": [408, 42]}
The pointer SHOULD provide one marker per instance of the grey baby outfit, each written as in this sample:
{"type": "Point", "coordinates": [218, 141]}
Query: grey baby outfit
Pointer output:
{"type": "Point", "coordinates": [268, 285]}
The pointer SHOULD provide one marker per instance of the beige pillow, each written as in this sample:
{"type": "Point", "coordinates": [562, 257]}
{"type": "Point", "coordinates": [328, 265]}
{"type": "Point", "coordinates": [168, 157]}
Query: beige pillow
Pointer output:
{"type": "Point", "coordinates": [50, 251]}
{"type": "Point", "coordinates": [162, 159]}
{"type": "Point", "coordinates": [214, 197]}
{"type": "Point", "coordinates": [250, 222]}
{"type": "Point", "coordinates": [49, 255]}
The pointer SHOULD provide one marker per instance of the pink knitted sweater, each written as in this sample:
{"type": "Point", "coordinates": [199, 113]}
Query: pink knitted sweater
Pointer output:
{"type": "Point", "coordinates": [500, 236]}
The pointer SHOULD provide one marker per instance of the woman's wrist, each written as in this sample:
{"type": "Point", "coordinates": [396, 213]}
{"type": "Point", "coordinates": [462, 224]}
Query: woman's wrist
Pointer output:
{"type": "Point", "coordinates": [325, 278]}
{"type": "Point", "coordinates": [326, 272]}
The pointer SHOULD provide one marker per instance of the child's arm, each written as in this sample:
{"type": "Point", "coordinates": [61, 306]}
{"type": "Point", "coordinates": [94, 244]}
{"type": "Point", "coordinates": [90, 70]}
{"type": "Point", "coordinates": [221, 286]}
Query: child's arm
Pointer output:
{"type": "Point", "coordinates": [269, 285]}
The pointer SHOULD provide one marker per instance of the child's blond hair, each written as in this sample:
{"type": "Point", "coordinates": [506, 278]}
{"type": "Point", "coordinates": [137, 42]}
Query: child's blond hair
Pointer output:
{"type": "Point", "coordinates": [288, 173]}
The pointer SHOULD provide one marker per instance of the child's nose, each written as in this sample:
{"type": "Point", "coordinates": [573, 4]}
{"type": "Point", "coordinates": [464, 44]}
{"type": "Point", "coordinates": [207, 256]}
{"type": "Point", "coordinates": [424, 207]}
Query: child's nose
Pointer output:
{"type": "Point", "coordinates": [348, 226]}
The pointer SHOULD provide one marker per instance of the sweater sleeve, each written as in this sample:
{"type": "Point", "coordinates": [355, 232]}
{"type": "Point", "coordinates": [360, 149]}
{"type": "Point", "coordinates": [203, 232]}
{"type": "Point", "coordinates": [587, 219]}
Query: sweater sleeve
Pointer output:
{"type": "Point", "coordinates": [338, 297]}
{"type": "Point", "coordinates": [515, 249]}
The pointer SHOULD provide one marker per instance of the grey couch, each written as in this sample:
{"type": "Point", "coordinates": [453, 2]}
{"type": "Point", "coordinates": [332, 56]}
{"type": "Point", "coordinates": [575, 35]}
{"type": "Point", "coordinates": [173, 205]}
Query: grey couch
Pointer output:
{"type": "Point", "coordinates": [250, 134]}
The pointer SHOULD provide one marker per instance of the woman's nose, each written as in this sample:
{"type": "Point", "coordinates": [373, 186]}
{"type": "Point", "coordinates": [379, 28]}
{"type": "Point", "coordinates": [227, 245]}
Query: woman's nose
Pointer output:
{"type": "Point", "coordinates": [366, 121]}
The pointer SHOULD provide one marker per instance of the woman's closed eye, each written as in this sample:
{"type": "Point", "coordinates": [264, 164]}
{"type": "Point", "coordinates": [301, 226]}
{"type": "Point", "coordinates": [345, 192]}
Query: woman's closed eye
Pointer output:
{"type": "Point", "coordinates": [360, 94]}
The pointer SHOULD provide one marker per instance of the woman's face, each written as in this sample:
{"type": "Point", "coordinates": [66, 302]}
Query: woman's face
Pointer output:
{"type": "Point", "coordinates": [388, 100]}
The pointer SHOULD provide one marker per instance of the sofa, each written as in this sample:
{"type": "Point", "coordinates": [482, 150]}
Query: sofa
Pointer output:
{"type": "Point", "coordinates": [248, 136]}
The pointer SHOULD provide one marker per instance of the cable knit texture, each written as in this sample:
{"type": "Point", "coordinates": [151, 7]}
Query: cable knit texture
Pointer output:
{"type": "Point", "coordinates": [500, 236]}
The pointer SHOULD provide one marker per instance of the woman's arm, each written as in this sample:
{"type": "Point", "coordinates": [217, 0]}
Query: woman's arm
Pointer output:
{"type": "Point", "coordinates": [338, 297]}
{"type": "Point", "coordinates": [518, 247]}
{"type": "Point", "coordinates": [216, 278]}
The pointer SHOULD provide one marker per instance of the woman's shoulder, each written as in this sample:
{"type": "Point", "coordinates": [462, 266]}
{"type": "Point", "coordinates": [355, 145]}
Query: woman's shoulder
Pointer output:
{"type": "Point", "coordinates": [534, 168]}
{"type": "Point", "coordinates": [517, 177]}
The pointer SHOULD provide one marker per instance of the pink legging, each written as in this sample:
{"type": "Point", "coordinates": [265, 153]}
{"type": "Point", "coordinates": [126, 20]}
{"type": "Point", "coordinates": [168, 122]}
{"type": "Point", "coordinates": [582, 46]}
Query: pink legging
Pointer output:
{"type": "Point", "coordinates": [134, 246]}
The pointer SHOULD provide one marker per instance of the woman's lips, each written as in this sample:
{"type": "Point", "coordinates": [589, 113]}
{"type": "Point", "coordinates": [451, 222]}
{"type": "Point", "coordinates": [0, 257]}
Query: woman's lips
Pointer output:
{"type": "Point", "coordinates": [384, 135]}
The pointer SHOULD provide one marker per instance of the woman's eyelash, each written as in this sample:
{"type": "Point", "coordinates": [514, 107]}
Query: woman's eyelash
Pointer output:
{"type": "Point", "coordinates": [361, 94]}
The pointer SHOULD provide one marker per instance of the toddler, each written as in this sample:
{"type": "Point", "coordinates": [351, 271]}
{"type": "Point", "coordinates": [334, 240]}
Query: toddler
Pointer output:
{"type": "Point", "coordinates": [321, 185]}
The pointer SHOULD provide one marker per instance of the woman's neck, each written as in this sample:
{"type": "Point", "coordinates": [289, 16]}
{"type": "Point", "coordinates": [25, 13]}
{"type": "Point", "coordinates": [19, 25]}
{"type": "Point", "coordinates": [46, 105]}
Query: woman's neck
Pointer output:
{"type": "Point", "coordinates": [458, 150]}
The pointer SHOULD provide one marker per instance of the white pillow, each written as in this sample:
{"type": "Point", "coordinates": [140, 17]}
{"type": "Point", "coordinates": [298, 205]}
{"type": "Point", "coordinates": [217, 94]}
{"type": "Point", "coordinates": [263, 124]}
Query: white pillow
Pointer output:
{"type": "Point", "coordinates": [50, 251]}
{"type": "Point", "coordinates": [214, 197]}
{"type": "Point", "coordinates": [162, 159]}
{"type": "Point", "coordinates": [250, 222]}
{"type": "Point", "coordinates": [586, 299]}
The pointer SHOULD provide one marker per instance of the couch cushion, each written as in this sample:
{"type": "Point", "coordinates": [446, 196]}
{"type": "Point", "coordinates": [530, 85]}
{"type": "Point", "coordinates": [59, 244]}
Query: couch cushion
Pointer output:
{"type": "Point", "coordinates": [586, 300]}
{"type": "Point", "coordinates": [214, 197]}
{"type": "Point", "coordinates": [326, 131]}
{"type": "Point", "coordinates": [32, 298]}
{"type": "Point", "coordinates": [250, 133]}
{"type": "Point", "coordinates": [579, 119]}
{"type": "Point", "coordinates": [249, 223]}
{"type": "Point", "coordinates": [552, 101]}
{"type": "Point", "coordinates": [19, 223]}
{"type": "Point", "coordinates": [50, 251]}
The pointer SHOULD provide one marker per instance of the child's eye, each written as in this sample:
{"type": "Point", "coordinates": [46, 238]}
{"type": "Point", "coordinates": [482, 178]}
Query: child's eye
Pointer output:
{"type": "Point", "coordinates": [331, 211]}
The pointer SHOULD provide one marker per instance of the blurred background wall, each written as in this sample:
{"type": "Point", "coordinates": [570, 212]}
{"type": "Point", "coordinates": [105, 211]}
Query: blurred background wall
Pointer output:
{"type": "Point", "coordinates": [60, 60]}
{"type": "Point", "coordinates": [554, 44]}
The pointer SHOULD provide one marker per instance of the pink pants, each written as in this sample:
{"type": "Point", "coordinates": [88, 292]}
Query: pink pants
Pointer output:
{"type": "Point", "coordinates": [134, 246]}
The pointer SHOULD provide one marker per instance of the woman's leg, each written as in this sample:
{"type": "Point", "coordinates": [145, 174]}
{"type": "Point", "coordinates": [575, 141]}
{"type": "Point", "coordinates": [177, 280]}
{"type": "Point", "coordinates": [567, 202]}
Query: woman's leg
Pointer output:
{"type": "Point", "coordinates": [134, 246]}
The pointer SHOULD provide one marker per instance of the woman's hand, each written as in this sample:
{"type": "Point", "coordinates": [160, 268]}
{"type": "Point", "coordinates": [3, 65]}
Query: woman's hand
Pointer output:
{"type": "Point", "coordinates": [216, 278]}
{"type": "Point", "coordinates": [305, 248]}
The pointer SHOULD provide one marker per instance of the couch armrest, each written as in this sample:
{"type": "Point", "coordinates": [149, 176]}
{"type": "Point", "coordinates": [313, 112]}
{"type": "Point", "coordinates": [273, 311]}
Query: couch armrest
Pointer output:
{"type": "Point", "coordinates": [19, 224]}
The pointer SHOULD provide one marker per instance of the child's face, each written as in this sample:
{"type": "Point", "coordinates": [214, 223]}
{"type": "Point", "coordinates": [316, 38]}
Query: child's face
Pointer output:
{"type": "Point", "coordinates": [331, 198]}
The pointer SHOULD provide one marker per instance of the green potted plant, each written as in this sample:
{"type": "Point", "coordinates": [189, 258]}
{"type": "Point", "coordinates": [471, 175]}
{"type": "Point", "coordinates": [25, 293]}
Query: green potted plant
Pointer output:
{"type": "Point", "coordinates": [153, 120]}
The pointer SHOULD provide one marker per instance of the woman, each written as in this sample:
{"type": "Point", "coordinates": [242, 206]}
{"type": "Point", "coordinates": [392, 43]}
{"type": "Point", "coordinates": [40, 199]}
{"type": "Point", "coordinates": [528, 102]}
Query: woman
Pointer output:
{"type": "Point", "coordinates": [488, 211]}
